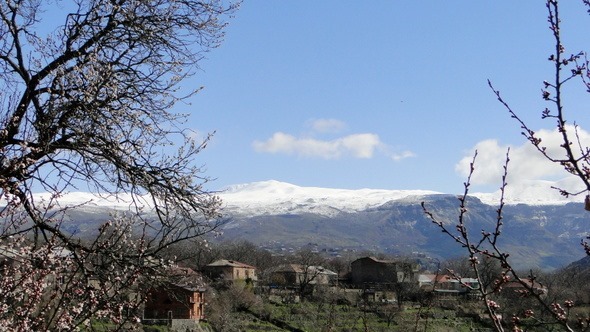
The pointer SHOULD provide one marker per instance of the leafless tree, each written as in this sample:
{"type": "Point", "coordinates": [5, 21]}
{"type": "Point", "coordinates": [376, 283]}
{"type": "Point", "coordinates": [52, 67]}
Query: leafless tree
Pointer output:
{"type": "Point", "coordinates": [489, 269]}
{"type": "Point", "coordinates": [486, 244]}
{"type": "Point", "coordinates": [404, 284]}
{"type": "Point", "coordinates": [309, 262]}
{"type": "Point", "coordinates": [193, 253]}
{"type": "Point", "coordinates": [87, 102]}
{"type": "Point", "coordinates": [339, 265]}
{"type": "Point", "coordinates": [576, 155]}
{"type": "Point", "coordinates": [457, 265]}
{"type": "Point", "coordinates": [574, 158]}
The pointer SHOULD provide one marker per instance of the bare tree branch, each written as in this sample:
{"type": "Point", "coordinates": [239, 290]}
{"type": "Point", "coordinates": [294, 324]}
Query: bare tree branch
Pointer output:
{"type": "Point", "coordinates": [90, 103]}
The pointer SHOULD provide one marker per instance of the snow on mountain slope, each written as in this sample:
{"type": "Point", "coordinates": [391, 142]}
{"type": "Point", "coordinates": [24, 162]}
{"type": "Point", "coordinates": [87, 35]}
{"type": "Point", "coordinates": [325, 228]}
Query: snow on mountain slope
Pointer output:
{"type": "Point", "coordinates": [537, 192]}
{"type": "Point", "coordinates": [121, 202]}
{"type": "Point", "coordinates": [274, 197]}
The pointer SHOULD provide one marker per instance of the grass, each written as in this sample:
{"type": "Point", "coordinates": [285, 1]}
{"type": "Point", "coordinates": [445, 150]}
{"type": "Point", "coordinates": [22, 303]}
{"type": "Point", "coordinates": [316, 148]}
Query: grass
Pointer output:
{"type": "Point", "coordinates": [309, 316]}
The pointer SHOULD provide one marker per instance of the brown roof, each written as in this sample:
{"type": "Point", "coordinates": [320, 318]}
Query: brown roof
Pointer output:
{"type": "Point", "coordinates": [297, 268]}
{"type": "Point", "coordinates": [374, 259]}
{"type": "Point", "coordinates": [438, 277]}
{"type": "Point", "coordinates": [226, 262]}
{"type": "Point", "coordinates": [186, 278]}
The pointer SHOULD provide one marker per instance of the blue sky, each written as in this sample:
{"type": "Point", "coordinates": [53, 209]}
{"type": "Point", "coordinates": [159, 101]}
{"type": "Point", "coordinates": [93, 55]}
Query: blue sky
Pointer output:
{"type": "Point", "coordinates": [379, 94]}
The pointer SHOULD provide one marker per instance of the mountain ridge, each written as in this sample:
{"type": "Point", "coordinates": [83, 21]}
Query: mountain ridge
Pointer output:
{"type": "Point", "coordinates": [277, 197]}
{"type": "Point", "coordinates": [538, 232]}
{"type": "Point", "coordinates": [280, 215]}
{"type": "Point", "coordinates": [273, 191]}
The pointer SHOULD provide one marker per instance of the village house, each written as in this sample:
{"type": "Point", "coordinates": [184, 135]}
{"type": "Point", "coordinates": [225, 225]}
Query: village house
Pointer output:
{"type": "Point", "coordinates": [446, 284]}
{"type": "Point", "coordinates": [517, 289]}
{"type": "Point", "coordinates": [296, 274]}
{"type": "Point", "coordinates": [368, 270]}
{"type": "Point", "coordinates": [182, 298]}
{"type": "Point", "coordinates": [229, 270]}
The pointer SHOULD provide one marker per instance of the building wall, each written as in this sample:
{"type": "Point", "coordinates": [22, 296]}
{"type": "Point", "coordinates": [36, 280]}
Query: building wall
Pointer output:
{"type": "Point", "coordinates": [175, 303]}
{"type": "Point", "coordinates": [241, 273]}
{"type": "Point", "coordinates": [366, 270]}
{"type": "Point", "coordinates": [284, 278]}
{"type": "Point", "coordinates": [231, 272]}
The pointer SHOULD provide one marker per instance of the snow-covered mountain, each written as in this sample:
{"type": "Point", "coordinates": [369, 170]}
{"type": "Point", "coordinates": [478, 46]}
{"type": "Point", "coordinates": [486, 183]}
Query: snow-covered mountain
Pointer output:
{"type": "Point", "coordinates": [274, 198]}
{"type": "Point", "coordinates": [89, 200]}
{"type": "Point", "coordinates": [541, 228]}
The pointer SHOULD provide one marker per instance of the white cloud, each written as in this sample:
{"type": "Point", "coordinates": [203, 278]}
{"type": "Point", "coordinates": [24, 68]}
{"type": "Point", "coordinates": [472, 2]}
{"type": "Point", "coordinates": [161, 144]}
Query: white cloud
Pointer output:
{"type": "Point", "coordinates": [326, 125]}
{"type": "Point", "coordinates": [403, 155]}
{"type": "Point", "coordinates": [361, 146]}
{"type": "Point", "coordinates": [526, 162]}
{"type": "Point", "coordinates": [357, 145]}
